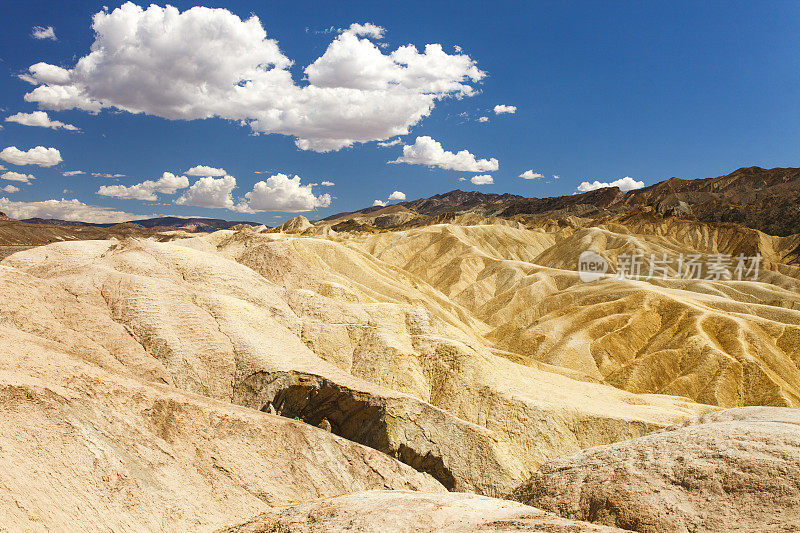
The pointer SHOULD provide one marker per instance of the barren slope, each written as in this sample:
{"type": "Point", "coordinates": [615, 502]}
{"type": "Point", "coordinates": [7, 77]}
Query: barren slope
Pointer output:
{"type": "Point", "coordinates": [83, 449]}
{"type": "Point", "coordinates": [469, 350]}
{"type": "Point", "coordinates": [721, 342]}
{"type": "Point", "coordinates": [413, 512]}
{"type": "Point", "coordinates": [397, 368]}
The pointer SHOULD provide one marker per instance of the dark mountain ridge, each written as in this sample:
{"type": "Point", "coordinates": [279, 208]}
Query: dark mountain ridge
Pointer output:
{"type": "Point", "coordinates": [764, 199]}
{"type": "Point", "coordinates": [158, 223]}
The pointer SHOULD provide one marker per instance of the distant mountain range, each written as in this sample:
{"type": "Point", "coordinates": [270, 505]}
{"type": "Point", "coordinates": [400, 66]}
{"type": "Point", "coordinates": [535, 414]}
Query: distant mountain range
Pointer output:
{"type": "Point", "coordinates": [158, 223]}
{"type": "Point", "coordinates": [37, 231]}
{"type": "Point", "coordinates": [764, 199]}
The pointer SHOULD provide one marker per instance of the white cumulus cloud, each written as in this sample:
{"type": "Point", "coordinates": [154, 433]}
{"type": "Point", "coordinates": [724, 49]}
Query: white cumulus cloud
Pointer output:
{"type": "Point", "coordinates": [69, 173]}
{"type": "Point", "coordinates": [428, 151]}
{"type": "Point", "coordinates": [204, 62]}
{"type": "Point", "coordinates": [41, 156]}
{"type": "Point", "coordinates": [10, 189]}
{"type": "Point", "coordinates": [65, 210]}
{"type": "Point", "coordinates": [500, 109]}
{"type": "Point", "coordinates": [531, 175]}
{"type": "Point", "coordinates": [39, 119]}
{"type": "Point", "coordinates": [483, 119]}
{"type": "Point", "coordinates": [397, 195]}
{"type": "Point", "coordinates": [45, 73]}
{"type": "Point", "coordinates": [285, 194]}
{"type": "Point", "coordinates": [41, 32]}
{"type": "Point", "coordinates": [17, 176]}
{"type": "Point", "coordinates": [483, 179]}
{"type": "Point", "coordinates": [327, 184]}
{"type": "Point", "coordinates": [210, 192]}
{"type": "Point", "coordinates": [168, 183]}
{"type": "Point", "coordinates": [626, 184]}
{"type": "Point", "coordinates": [378, 203]}
{"type": "Point", "coordinates": [203, 170]}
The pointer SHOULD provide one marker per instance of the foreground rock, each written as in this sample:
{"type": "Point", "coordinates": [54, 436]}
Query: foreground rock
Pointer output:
{"type": "Point", "coordinates": [733, 470]}
{"type": "Point", "coordinates": [82, 449]}
{"type": "Point", "coordinates": [401, 511]}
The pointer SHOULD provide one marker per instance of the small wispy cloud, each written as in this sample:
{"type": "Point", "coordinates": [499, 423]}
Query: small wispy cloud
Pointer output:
{"type": "Point", "coordinates": [385, 144]}
{"type": "Point", "coordinates": [42, 32]}
{"type": "Point", "coordinates": [107, 175]}
{"type": "Point", "coordinates": [40, 119]}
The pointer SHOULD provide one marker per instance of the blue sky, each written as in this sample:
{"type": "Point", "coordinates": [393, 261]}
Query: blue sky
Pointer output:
{"type": "Point", "coordinates": [602, 91]}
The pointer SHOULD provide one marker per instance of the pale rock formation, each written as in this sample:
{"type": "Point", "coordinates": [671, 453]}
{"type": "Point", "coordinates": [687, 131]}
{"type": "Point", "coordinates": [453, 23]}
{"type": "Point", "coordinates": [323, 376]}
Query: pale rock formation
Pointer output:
{"type": "Point", "coordinates": [726, 343]}
{"type": "Point", "coordinates": [297, 224]}
{"type": "Point", "coordinates": [412, 512]}
{"type": "Point", "coordinates": [83, 449]}
{"type": "Point", "coordinates": [732, 470]}
{"type": "Point", "coordinates": [385, 217]}
{"type": "Point", "coordinates": [471, 352]}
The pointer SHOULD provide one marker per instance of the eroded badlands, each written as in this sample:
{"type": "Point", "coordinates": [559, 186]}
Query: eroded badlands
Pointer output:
{"type": "Point", "coordinates": [261, 377]}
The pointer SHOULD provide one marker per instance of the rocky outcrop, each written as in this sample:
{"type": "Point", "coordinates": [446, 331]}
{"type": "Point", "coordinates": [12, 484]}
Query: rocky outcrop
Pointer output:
{"type": "Point", "coordinates": [759, 198]}
{"type": "Point", "coordinates": [399, 511]}
{"type": "Point", "coordinates": [732, 470]}
{"type": "Point", "coordinates": [416, 433]}
{"type": "Point", "coordinates": [762, 199]}
{"type": "Point", "coordinates": [83, 449]}
{"type": "Point", "coordinates": [18, 233]}
{"type": "Point", "coordinates": [297, 224]}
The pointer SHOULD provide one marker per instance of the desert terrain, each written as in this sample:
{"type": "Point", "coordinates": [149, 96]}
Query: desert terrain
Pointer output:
{"type": "Point", "coordinates": [437, 364]}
